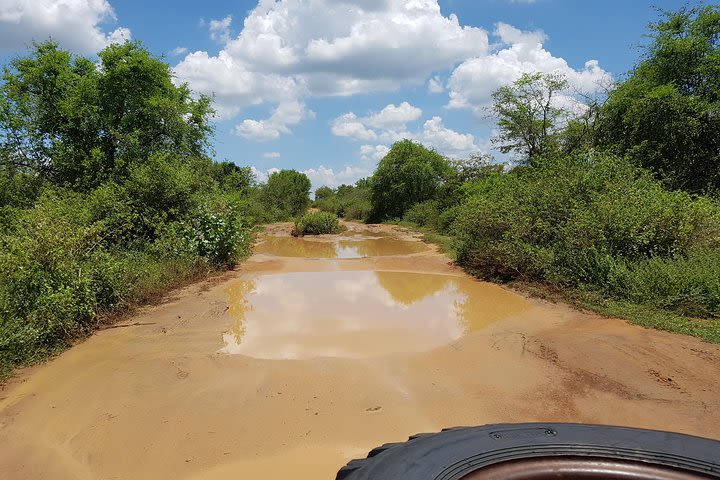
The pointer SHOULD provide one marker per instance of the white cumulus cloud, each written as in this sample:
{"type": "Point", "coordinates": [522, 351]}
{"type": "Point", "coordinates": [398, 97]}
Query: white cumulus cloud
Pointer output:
{"type": "Point", "coordinates": [388, 125]}
{"type": "Point", "coordinates": [75, 24]}
{"type": "Point", "coordinates": [220, 29]}
{"type": "Point", "coordinates": [262, 176]}
{"type": "Point", "coordinates": [290, 113]}
{"type": "Point", "coordinates": [329, 176]}
{"type": "Point", "coordinates": [435, 85]}
{"type": "Point", "coordinates": [473, 81]}
{"type": "Point", "coordinates": [271, 155]}
{"type": "Point", "coordinates": [288, 49]}
{"type": "Point", "coordinates": [446, 140]}
{"type": "Point", "coordinates": [349, 125]}
{"type": "Point", "coordinates": [373, 152]}
{"type": "Point", "coordinates": [233, 83]}
{"type": "Point", "coordinates": [178, 51]}
{"type": "Point", "coordinates": [394, 116]}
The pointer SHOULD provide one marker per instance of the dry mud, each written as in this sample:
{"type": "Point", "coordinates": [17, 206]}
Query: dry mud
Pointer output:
{"type": "Point", "coordinates": [289, 366]}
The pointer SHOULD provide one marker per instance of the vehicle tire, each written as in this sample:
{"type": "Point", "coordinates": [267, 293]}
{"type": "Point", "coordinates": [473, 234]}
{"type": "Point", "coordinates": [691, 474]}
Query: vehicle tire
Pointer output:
{"type": "Point", "coordinates": [536, 451]}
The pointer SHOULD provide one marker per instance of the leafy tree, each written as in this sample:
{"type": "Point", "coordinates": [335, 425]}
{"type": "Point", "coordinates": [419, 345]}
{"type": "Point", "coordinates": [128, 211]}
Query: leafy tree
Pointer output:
{"type": "Point", "coordinates": [478, 165]}
{"type": "Point", "coordinates": [78, 124]}
{"type": "Point", "coordinates": [287, 191]}
{"type": "Point", "coordinates": [349, 201]}
{"type": "Point", "coordinates": [143, 112]}
{"type": "Point", "coordinates": [323, 193]}
{"type": "Point", "coordinates": [665, 115]}
{"type": "Point", "coordinates": [528, 116]}
{"type": "Point", "coordinates": [34, 106]}
{"type": "Point", "coordinates": [232, 177]}
{"type": "Point", "coordinates": [107, 194]}
{"type": "Point", "coordinates": [408, 174]}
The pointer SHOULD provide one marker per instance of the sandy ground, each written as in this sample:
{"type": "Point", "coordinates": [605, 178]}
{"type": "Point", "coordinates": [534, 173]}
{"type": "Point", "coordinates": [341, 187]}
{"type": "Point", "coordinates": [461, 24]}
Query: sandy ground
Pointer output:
{"type": "Point", "coordinates": [155, 398]}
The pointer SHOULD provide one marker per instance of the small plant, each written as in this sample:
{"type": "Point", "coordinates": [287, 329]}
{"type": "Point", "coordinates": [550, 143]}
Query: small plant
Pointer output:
{"type": "Point", "coordinates": [222, 237]}
{"type": "Point", "coordinates": [317, 223]}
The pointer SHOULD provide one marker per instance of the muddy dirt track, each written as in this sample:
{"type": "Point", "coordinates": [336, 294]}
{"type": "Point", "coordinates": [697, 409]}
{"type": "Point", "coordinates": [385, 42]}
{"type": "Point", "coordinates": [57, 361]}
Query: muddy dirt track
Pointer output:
{"type": "Point", "coordinates": [314, 351]}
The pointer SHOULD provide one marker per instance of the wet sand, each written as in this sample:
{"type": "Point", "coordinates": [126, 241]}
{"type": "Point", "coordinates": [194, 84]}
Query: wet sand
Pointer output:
{"type": "Point", "coordinates": [257, 374]}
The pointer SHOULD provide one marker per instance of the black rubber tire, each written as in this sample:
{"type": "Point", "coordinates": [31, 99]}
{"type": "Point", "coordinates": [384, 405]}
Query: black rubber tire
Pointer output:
{"type": "Point", "coordinates": [456, 452]}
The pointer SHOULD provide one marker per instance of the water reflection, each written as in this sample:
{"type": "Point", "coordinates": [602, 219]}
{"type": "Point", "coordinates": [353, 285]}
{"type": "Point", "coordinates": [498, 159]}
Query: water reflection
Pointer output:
{"type": "Point", "coordinates": [408, 288]}
{"type": "Point", "coordinates": [339, 247]}
{"type": "Point", "coordinates": [358, 314]}
{"type": "Point", "coordinates": [296, 247]}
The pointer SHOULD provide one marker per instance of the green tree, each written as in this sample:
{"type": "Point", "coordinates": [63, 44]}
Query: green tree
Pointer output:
{"type": "Point", "coordinates": [288, 191]}
{"type": "Point", "coordinates": [408, 174]}
{"type": "Point", "coordinates": [323, 193]}
{"type": "Point", "coordinates": [665, 115]}
{"type": "Point", "coordinates": [78, 124]}
{"type": "Point", "coordinates": [476, 166]}
{"type": "Point", "coordinates": [36, 100]}
{"type": "Point", "coordinates": [232, 177]}
{"type": "Point", "coordinates": [143, 112]}
{"type": "Point", "coordinates": [528, 116]}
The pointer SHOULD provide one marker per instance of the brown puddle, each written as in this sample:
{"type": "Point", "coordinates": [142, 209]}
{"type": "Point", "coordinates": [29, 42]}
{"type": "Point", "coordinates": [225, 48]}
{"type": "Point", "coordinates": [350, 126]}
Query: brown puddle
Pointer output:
{"type": "Point", "coordinates": [335, 357]}
{"type": "Point", "coordinates": [358, 314]}
{"type": "Point", "coordinates": [340, 247]}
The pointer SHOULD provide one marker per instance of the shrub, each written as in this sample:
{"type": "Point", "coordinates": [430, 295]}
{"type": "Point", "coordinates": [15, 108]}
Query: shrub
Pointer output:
{"type": "Point", "coordinates": [424, 214]}
{"type": "Point", "coordinates": [589, 220]}
{"type": "Point", "coordinates": [316, 223]}
{"type": "Point", "coordinates": [349, 201]}
{"type": "Point", "coordinates": [689, 285]}
{"type": "Point", "coordinates": [358, 209]}
{"type": "Point", "coordinates": [73, 256]}
{"type": "Point", "coordinates": [107, 194]}
{"type": "Point", "coordinates": [331, 204]}
{"type": "Point", "coordinates": [221, 236]}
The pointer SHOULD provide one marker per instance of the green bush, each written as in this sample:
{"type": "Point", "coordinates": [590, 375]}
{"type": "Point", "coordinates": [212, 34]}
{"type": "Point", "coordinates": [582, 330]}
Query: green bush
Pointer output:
{"type": "Point", "coordinates": [351, 202]}
{"type": "Point", "coordinates": [594, 221]}
{"type": "Point", "coordinates": [357, 209]}
{"type": "Point", "coordinates": [689, 285]}
{"type": "Point", "coordinates": [331, 204]}
{"type": "Point", "coordinates": [317, 223]}
{"type": "Point", "coordinates": [73, 257]}
{"type": "Point", "coordinates": [424, 214]}
{"type": "Point", "coordinates": [287, 192]}
{"type": "Point", "coordinates": [220, 236]}
{"type": "Point", "coordinates": [108, 196]}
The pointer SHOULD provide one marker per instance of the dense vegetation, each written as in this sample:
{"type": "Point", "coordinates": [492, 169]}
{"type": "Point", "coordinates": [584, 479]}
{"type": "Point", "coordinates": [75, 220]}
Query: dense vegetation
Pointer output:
{"type": "Point", "coordinates": [349, 201]}
{"type": "Point", "coordinates": [617, 207]}
{"type": "Point", "coordinates": [316, 223]}
{"type": "Point", "coordinates": [108, 196]}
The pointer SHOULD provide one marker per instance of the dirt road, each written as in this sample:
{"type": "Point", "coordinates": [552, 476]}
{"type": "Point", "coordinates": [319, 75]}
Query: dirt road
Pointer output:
{"type": "Point", "coordinates": [312, 352]}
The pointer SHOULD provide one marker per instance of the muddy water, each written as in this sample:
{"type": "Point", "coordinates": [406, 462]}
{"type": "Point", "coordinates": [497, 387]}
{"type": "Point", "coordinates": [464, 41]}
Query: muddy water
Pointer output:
{"type": "Point", "coordinates": [292, 365]}
{"type": "Point", "coordinates": [357, 246]}
{"type": "Point", "coordinates": [358, 314]}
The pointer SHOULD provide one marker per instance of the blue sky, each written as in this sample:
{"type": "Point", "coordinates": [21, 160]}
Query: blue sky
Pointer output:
{"type": "Point", "coordinates": [326, 86]}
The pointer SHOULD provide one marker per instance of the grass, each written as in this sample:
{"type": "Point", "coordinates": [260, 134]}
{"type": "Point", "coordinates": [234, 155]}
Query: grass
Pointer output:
{"type": "Point", "coordinates": [149, 284]}
{"type": "Point", "coordinates": [651, 317]}
{"type": "Point", "coordinates": [646, 316]}
{"type": "Point", "coordinates": [446, 243]}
